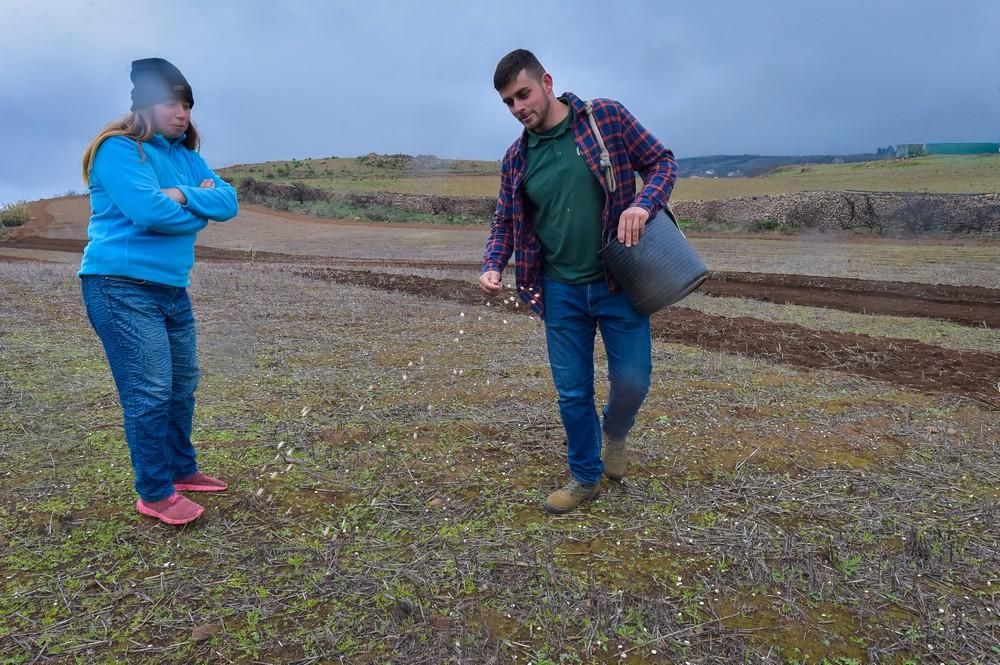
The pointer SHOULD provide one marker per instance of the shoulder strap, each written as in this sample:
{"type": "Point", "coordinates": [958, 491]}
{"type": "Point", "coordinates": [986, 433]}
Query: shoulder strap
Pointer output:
{"type": "Point", "coordinates": [609, 172]}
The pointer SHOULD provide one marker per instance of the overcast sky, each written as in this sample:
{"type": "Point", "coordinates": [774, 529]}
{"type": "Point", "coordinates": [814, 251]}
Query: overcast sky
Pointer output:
{"type": "Point", "coordinates": [277, 79]}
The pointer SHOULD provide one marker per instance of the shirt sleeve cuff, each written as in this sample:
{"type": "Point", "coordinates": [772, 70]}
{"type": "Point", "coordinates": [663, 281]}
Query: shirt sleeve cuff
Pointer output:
{"type": "Point", "coordinates": [646, 204]}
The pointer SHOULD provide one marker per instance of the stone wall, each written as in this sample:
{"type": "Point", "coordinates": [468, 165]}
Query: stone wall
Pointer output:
{"type": "Point", "coordinates": [428, 203]}
{"type": "Point", "coordinates": [263, 191]}
{"type": "Point", "coordinates": [879, 212]}
{"type": "Point", "coordinates": [882, 212]}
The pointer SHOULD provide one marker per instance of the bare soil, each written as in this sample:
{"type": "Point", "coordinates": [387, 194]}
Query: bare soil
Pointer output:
{"type": "Point", "coordinates": [969, 305]}
{"type": "Point", "coordinates": [388, 448]}
{"type": "Point", "coordinates": [903, 362]}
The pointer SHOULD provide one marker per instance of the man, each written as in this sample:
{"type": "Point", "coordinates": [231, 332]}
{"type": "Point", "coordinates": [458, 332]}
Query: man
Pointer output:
{"type": "Point", "coordinates": [557, 207]}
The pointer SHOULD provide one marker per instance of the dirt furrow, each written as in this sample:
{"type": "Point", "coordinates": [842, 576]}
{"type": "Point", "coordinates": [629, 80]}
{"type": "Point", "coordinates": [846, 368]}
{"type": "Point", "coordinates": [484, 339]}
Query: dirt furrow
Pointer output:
{"type": "Point", "coordinates": [904, 362]}
{"type": "Point", "coordinates": [967, 305]}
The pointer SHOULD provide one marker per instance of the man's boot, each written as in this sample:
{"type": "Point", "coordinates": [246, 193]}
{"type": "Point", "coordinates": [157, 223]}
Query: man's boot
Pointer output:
{"type": "Point", "coordinates": [614, 457]}
{"type": "Point", "coordinates": [571, 495]}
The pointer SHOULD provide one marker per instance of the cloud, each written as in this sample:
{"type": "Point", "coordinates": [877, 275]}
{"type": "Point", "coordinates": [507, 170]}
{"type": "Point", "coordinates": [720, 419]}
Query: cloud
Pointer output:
{"type": "Point", "coordinates": [303, 78]}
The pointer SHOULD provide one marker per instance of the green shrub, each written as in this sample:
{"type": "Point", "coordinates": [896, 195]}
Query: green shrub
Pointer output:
{"type": "Point", "coordinates": [768, 224]}
{"type": "Point", "coordinates": [13, 214]}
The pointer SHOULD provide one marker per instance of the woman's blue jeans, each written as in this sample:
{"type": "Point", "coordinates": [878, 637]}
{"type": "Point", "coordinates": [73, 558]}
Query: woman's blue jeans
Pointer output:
{"type": "Point", "coordinates": [572, 314]}
{"type": "Point", "coordinates": [148, 333]}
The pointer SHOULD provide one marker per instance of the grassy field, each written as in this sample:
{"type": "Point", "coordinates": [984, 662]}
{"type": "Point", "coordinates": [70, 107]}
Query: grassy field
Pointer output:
{"type": "Point", "coordinates": [387, 456]}
{"type": "Point", "coordinates": [946, 174]}
{"type": "Point", "coordinates": [345, 174]}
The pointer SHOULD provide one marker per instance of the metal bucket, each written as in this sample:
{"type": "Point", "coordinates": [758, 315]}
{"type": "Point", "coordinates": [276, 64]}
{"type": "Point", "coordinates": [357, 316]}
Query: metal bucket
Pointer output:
{"type": "Point", "coordinates": [658, 271]}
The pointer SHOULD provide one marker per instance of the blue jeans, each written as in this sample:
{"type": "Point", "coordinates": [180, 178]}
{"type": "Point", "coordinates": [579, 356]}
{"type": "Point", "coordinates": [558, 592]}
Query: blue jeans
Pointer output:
{"type": "Point", "coordinates": [148, 335]}
{"type": "Point", "coordinates": [572, 314]}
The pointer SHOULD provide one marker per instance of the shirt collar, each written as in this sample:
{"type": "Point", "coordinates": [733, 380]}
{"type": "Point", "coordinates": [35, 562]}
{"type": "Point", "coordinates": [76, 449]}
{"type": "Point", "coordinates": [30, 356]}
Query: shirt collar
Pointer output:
{"type": "Point", "coordinates": [534, 138]}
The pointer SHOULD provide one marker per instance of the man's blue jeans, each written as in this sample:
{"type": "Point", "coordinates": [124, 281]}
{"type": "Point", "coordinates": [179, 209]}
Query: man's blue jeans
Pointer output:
{"type": "Point", "coordinates": [572, 314]}
{"type": "Point", "coordinates": [148, 333]}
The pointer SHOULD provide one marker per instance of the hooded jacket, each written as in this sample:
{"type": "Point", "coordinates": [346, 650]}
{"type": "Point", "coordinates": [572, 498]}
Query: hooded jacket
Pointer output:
{"type": "Point", "coordinates": [135, 229]}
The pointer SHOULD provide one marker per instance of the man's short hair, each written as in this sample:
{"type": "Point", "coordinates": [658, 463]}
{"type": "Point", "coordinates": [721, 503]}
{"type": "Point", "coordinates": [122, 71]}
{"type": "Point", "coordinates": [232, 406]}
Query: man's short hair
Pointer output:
{"type": "Point", "coordinates": [511, 65]}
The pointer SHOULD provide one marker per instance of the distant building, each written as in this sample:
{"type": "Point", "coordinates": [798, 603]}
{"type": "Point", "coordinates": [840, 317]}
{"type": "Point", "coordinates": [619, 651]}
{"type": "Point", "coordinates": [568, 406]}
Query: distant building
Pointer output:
{"type": "Point", "coordinates": [910, 150]}
{"type": "Point", "coordinates": [918, 149]}
{"type": "Point", "coordinates": [962, 148]}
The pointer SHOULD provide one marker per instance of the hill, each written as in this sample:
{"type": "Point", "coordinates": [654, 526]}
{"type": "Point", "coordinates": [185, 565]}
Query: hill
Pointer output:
{"type": "Point", "coordinates": [470, 178]}
{"type": "Point", "coordinates": [733, 166]}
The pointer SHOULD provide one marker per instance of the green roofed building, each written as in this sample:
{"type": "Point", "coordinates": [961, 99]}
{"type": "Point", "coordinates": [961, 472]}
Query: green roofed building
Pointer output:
{"type": "Point", "coordinates": [918, 149]}
{"type": "Point", "coordinates": [961, 148]}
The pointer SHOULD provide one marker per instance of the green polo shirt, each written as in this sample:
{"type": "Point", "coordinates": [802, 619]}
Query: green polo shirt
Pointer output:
{"type": "Point", "coordinates": [566, 203]}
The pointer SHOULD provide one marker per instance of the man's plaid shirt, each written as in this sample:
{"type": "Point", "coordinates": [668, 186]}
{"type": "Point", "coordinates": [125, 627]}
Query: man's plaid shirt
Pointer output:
{"type": "Point", "coordinates": [632, 149]}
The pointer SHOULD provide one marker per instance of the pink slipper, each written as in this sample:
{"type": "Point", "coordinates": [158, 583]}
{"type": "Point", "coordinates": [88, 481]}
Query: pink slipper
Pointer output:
{"type": "Point", "coordinates": [199, 482]}
{"type": "Point", "coordinates": [174, 510]}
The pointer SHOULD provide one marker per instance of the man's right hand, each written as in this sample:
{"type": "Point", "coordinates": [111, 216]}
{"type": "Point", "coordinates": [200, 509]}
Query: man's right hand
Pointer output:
{"type": "Point", "coordinates": [490, 283]}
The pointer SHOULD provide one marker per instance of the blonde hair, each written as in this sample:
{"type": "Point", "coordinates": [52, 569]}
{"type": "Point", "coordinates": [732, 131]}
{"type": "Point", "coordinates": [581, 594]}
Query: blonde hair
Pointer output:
{"type": "Point", "coordinates": [137, 125]}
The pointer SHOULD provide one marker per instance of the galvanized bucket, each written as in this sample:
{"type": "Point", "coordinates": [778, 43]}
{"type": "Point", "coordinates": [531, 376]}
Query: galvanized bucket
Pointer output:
{"type": "Point", "coordinates": [660, 270]}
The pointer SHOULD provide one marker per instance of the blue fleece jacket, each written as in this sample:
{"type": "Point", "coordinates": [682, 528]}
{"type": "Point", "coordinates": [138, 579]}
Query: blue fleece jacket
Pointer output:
{"type": "Point", "coordinates": [135, 229]}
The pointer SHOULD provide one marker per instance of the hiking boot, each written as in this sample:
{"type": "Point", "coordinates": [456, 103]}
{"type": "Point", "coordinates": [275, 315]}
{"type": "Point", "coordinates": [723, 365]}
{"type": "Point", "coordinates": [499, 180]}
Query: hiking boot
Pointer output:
{"type": "Point", "coordinates": [614, 457]}
{"type": "Point", "coordinates": [199, 482]}
{"type": "Point", "coordinates": [571, 495]}
{"type": "Point", "coordinates": [175, 510]}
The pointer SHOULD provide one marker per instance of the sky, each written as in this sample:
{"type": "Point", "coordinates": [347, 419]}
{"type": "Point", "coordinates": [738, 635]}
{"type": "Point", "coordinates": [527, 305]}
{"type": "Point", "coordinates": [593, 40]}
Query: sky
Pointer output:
{"type": "Point", "coordinates": [282, 79]}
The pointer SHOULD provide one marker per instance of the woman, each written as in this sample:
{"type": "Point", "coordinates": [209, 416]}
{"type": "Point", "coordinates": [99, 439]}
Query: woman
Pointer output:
{"type": "Point", "coordinates": [150, 194]}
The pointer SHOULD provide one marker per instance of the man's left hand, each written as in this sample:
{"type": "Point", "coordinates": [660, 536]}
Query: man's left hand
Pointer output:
{"type": "Point", "coordinates": [631, 224]}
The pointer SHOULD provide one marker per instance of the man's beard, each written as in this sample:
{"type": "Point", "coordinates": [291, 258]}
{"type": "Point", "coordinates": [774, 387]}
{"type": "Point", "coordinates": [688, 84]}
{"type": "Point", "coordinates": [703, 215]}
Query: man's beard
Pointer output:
{"type": "Point", "coordinates": [543, 113]}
